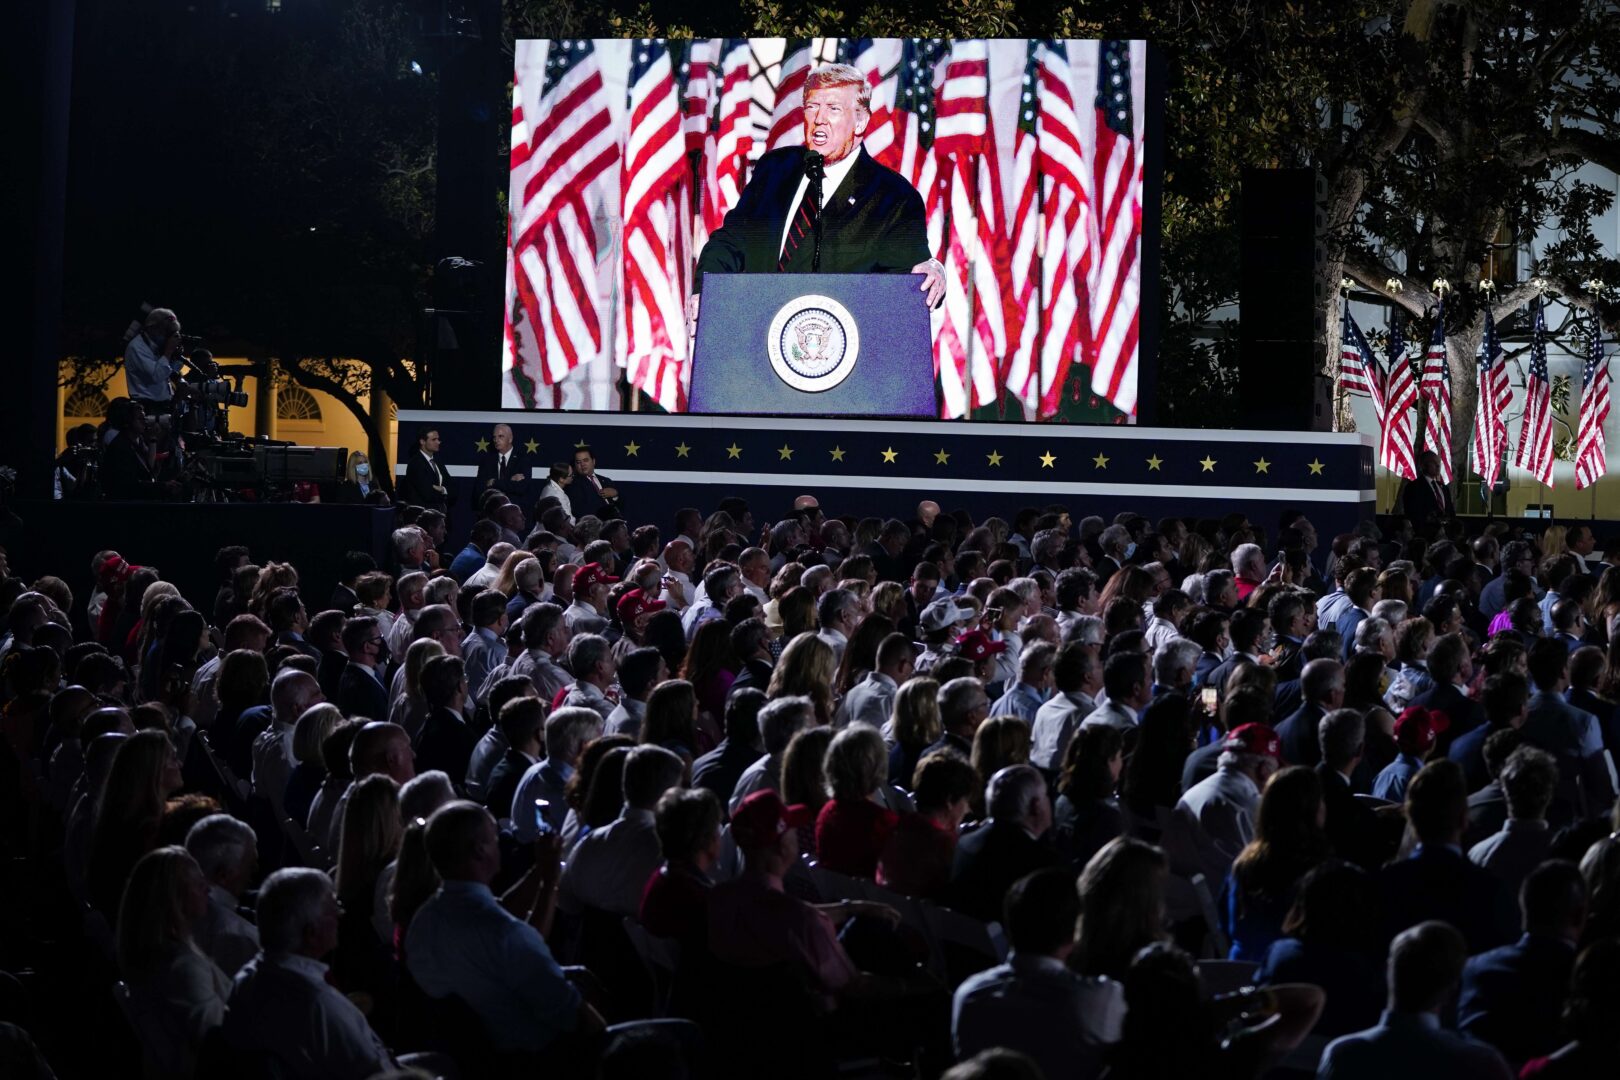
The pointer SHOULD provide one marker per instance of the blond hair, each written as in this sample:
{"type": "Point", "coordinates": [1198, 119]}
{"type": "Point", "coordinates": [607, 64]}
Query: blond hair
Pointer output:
{"type": "Point", "coordinates": [829, 76]}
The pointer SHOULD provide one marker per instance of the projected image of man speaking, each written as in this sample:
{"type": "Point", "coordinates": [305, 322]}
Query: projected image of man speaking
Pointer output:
{"type": "Point", "coordinates": [825, 207]}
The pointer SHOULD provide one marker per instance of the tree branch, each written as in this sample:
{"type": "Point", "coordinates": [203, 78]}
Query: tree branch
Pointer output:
{"type": "Point", "coordinates": [1374, 274]}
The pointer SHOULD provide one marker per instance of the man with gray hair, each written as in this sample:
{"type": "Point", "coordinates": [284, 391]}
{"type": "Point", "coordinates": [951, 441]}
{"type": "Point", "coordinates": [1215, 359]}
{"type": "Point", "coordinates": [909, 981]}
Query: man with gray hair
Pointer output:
{"type": "Point", "coordinates": [1226, 803]}
{"type": "Point", "coordinates": [1077, 677]}
{"type": "Point", "coordinates": [780, 720]}
{"type": "Point", "coordinates": [1173, 666]}
{"type": "Point", "coordinates": [566, 733]}
{"type": "Point", "coordinates": [228, 853]}
{"type": "Point", "coordinates": [1113, 541]}
{"type": "Point", "coordinates": [544, 639]}
{"type": "Point", "coordinates": [499, 468]}
{"type": "Point", "coordinates": [721, 582]}
{"type": "Point", "coordinates": [1033, 686]}
{"type": "Point", "coordinates": [590, 657]}
{"type": "Point", "coordinates": [1248, 568]}
{"type": "Point", "coordinates": [282, 1008]}
{"type": "Point", "coordinates": [837, 612]}
{"type": "Point", "coordinates": [609, 868]}
{"type": "Point", "coordinates": [1352, 828]}
{"type": "Point", "coordinates": [1006, 847]}
{"type": "Point", "coordinates": [273, 762]}
{"type": "Point", "coordinates": [1321, 684]}
{"type": "Point", "coordinates": [963, 706]}
{"type": "Point", "coordinates": [410, 549]}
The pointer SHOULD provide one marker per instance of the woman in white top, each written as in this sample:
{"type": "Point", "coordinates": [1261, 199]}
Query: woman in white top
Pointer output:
{"type": "Point", "coordinates": [176, 993]}
{"type": "Point", "coordinates": [557, 480]}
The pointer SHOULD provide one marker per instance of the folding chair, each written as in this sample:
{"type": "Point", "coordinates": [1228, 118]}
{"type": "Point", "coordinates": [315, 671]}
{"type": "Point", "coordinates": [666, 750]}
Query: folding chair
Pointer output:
{"type": "Point", "coordinates": [1218, 942]}
{"type": "Point", "coordinates": [1226, 976]}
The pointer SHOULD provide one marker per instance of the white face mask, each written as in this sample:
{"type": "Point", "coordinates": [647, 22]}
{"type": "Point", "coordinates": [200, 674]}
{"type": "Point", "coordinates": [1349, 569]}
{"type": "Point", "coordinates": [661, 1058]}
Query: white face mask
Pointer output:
{"type": "Point", "coordinates": [1130, 549]}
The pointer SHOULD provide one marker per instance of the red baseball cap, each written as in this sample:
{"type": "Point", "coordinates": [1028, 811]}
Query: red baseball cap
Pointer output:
{"type": "Point", "coordinates": [763, 817]}
{"type": "Point", "coordinates": [634, 604]}
{"type": "Point", "coordinates": [1417, 728]}
{"type": "Point", "coordinates": [592, 574]}
{"type": "Point", "coordinates": [1253, 739]}
{"type": "Point", "coordinates": [976, 645]}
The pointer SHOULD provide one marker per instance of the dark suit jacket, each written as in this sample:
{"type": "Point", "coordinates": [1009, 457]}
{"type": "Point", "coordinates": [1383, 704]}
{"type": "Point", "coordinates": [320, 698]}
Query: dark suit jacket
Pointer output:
{"type": "Point", "coordinates": [1299, 734]}
{"type": "Point", "coordinates": [1469, 751]}
{"type": "Point", "coordinates": [988, 860]}
{"type": "Point", "coordinates": [1207, 662]}
{"type": "Point", "coordinates": [124, 473]}
{"type": "Point", "coordinates": [1440, 883]}
{"type": "Point", "coordinates": [1608, 717]}
{"type": "Point", "coordinates": [1352, 827]}
{"type": "Point", "coordinates": [1512, 997]}
{"type": "Point", "coordinates": [330, 673]}
{"type": "Point", "coordinates": [359, 694]}
{"type": "Point", "coordinates": [420, 477]}
{"type": "Point", "coordinates": [1465, 715]}
{"type": "Point", "coordinates": [503, 782]}
{"type": "Point", "coordinates": [756, 673]}
{"type": "Point", "coordinates": [446, 742]}
{"type": "Point", "coordinates": [344, 600]}
{"type": "Point", "coordinates": [515, 463]}
{"type": "Point", "coordinates": [1419, 504]}
{"type": "Point", "coordinates": [286, 637]}
{"type": "Point", "coordinates": [873, 223]}
{"type": "Point", "coordinates": [584, 497]}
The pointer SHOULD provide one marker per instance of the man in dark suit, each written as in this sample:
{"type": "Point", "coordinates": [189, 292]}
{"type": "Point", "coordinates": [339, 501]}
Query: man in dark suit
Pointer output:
{"type": "Point", "coordinates": [826, 206]}
{"type": "Point", "coordinates": [499, 468]}
{"type": "Point", "coordinates": [1428, 498]}
{"type": "Point", "coordinates": [426, 483]}
{"type": "Point", "coordinates": [591, 492]}
{"type": "Point", "coordinates": [1512, 997]}
{"type": "Point", "coordinates": [1568, 734]}
{"type": "Point", "coordinates": [360, 687]}
{"type": "Point", "coordinates": [1005, 848]}
{"type": "Point", "coordinates": [1451, 669]}
{"type": "Point", "coordinates": [354, 564]}
{"type": "Point", "coordinates": [1322, 684]}
{"type": "Point", "coordinates": [1585, 668]}
{"type": "Point", "coordinates": [522, 721]}
{"type": "Point", "coordinates": [1352, 827]}
{"type": "Point", "coordinates": [1504, 705]}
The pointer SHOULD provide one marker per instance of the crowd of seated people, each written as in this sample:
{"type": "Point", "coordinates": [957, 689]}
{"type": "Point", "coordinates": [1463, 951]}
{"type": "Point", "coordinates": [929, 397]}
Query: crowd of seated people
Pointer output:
{"type": "Point", "coordinates": [1037, 797]}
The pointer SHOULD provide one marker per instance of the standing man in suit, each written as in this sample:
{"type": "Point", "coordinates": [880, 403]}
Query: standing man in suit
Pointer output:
{"type": "Point", "coordinates": [427, 483]}
{"type": "Point", "coordinates": [498, 466]}
{"type": "Point", "coordinates": [1427, 498]}
{"type": "Point", "coordinates": [360, 688]}
{"type": "Point", "coordinates": [825, 206]}
{"type": "Point", "coordinates": [593, 493]}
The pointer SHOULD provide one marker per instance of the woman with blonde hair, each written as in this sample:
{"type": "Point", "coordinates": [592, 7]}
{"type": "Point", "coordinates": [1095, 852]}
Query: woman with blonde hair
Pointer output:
{"type": "Point", "coordinates": [368, 842]}
{"type": "Point", "coordinates": [804, 777]}
{"type": "Point", "coordinates": [807, 667]}
{"type": "Point", "coordinates": [129, 813]}
{"type": "Point", "coordinates": [1555, 541]}
{"type": "Point", "coordinates": [272, 576]}
{"type": "Point", "coordinates": [177, 994]}
{"type": "Point", "coordinates": [914, 725]}
{"type": "Point", "coordinates": [797, 610]}
{"type": "Point", "coordinates": [309, 732]}
{"type": "Point", "coordinates": [410, 709]}
{"type": "Point", "coordinates": [505, 582]}
{"type": "Point", "coordinates": [1000, 741]}
{"type": "Point", "coordinates": [853, 827]}
{"type": "Point", "coordinates": [358, 485]}
{"type": "Point", "coordinates": [889, 600]}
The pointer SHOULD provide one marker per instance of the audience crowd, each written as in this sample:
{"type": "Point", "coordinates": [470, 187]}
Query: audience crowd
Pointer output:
{"type": "Point", "coordinates": [1037, 797]}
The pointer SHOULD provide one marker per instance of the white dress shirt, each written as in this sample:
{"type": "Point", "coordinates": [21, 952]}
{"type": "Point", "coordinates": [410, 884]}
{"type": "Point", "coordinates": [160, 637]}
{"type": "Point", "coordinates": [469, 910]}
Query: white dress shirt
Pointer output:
{"type": "Point", "coordinates": [273, 762]}
{"type": "Point", "coordinates": [584, 695]}
{"type": "Point", "coordinates": [1055, 724]}
{"type": "Point", "coordinates": [609, 868]}
{"type": "Point", "coordinates": [229, 940]}
{"type": "Point", "coordinates": [1225, 804]}
{"type": "Point", "coordinates": [870, 701]}
{"type": "Point", "coordinates": [283, 1008]}
{"type": "Point", "coordinates": [627, 718]}
{"type": "Point", "coordinates": [835, 173]}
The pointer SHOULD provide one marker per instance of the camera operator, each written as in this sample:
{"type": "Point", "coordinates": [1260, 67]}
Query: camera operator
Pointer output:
{"type": "Point", "coordinates": [152, 359]}
{"type": "Point", "coordinates": [76, 465]}
{"type": "Point", "coordinates": [129, 467]}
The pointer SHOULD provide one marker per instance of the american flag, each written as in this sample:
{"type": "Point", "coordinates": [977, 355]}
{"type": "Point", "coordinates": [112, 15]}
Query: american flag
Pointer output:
{"type": "Point", "coordinates": [877, 59]}
{"type": "Point", "coordinates": [787, 117]}
{"type": "Point", "coordinates": [725, 159]}
{"type": "Point", "coordinates": [652, 323]}
{"type": "Point", "coordinates": [1495, 394]}
{"type": "Point", "coordinates": [1066, 251]}
{"type": "Point", "coordinates": [1020, 373]}
{"type": "Point", "coordinates": [1118, 221]}
{"type": "Point", "coordinates": [1400, 397]}
{"type": "Point", "coordinates": [553, 239]}
{"type": "Point", "coordinates": [1535, 450]}
{"type": "Point", "coordinates": [911, 154]}
{"type": "Point", "coordinates": [1591, 449]}
{"type": "Point", "coordinates": [1359, 372]}
{"type": "Point", "coordinates": [1437, 393]}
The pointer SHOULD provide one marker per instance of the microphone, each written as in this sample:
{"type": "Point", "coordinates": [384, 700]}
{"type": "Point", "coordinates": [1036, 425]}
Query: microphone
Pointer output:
{"type": "Point", "coordinates": [814, 165]}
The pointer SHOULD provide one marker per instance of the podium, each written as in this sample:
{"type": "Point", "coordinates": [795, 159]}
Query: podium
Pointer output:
{"type": "Point", "coordinates": [813, 345]}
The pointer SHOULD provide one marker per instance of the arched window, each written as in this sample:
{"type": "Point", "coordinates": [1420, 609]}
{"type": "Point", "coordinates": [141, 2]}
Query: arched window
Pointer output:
{"type": "Point", "coordinates": [296, 403]}
{"type": "Point", "coordinates": [87, 401]}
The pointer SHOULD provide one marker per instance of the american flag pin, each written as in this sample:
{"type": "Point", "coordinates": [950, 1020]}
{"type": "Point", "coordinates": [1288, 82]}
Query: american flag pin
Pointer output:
{"type": "Point", "coordinates": [852, 200]}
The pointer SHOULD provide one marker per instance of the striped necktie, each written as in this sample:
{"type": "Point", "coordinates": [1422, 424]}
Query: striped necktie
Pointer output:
{"type": "Point", "coordinates": [804, 222]}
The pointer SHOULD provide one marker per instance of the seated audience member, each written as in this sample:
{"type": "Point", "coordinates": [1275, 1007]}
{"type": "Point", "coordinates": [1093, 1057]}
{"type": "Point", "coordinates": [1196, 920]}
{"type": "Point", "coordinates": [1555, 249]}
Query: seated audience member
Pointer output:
{"type": "Point", "coordinates": [1452, 669]}
{"type": "Point", "coordinates": [360, 688]}
{"type": "Point", "coordinates": [853, 826]}
{"type": "Point", "coordinates": [609, 868]}
{"type": "Point", "coordinates": [1225, 804]}
{"type": "Point", "coordinates": [290, 694]}
{"type": "Point", "coordinates": [1025, 697]}
{"type": "Point", "coordinates": [1505, 705]}
{"type": "Point", "coordinates": [1288, 842]}
{"type": "Point", "coordinates": [1086, 815]}
{"type": "Point", "coordinates": [227, 851]}
{"type": "Point", "coordinates": [1122, 908]}
{"type": "Point", "coordinates": [719, 769]}
{"type": "Point", "coordinates": [639, 672]}
{"type": "Point", "coordinates": [364, 961]}
{"type": "Point", "coordinates": [1425, 962]}
{"type": "Point", "coordinates": [567, 732]}
{"type": "Point", "coordinates": [177, 994]}
{"type": "Point", "coordinates": [283, 1008]}
{"type": "Point", "coordinates": [491, 952]}
{"type": "Point", "coordinates": [1331, 939]}
{"type": "Point", "coordinates": [446, 741]}
{"type": "Point", "coordinates": [1128, 682]}
{"type": "Point", "coordinates": [672, 719]}
{"type": "Point", "coordinates": [1513, 996]}
{"type": "Point", "coordinates": [1416, 731]}
{"type": "Point", "coordinates": [917, 857]}
{"type": "Point", "coordinates": [129, 813]}
{"type": "Point", "coordinates": [675, 900]}
{"type": "Point", "coordinates": [1528, 781]}
{"type": "Point", "coordinates": [1010, 844]}
{"type": "Point", "coordinates": [1591, 1019]}
{"type": "Point", "coordinates": [1077, 679]}
{"type": "Point", "coordinates": [1034, 1003]}
{"type": "Point", "coordinates": [309, 772]}
{"type": "Point", "coordinates": [871, 701]}
{"type": "Point", "coordinates": [376, 748]}
{"type": "Point", "coordinates": [590, 658]}
{"type": "Point", "coordinates": [1487, 807]}
{"type": "Point", "coordinates": [522, 723]}
{"type": "Point", "coordinates": [1353, 830]}
{"type": "Point", "coordinates": [1437, 881]}
{"type": "Point", "coordinates": [1321, 684]}
{"type": "Point", "coordinates": [780, 720]}
{"type": "Point", "coordinates": [913, 727]}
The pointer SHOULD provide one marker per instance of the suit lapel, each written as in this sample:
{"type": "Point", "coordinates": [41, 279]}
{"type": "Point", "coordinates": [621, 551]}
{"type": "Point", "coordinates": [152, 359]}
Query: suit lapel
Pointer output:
{"type": "Point", "coordinates": [848, 198]}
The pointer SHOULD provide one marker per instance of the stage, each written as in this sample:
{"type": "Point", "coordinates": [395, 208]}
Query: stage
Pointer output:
{"type": "Point", "coordinates": [883, 467]}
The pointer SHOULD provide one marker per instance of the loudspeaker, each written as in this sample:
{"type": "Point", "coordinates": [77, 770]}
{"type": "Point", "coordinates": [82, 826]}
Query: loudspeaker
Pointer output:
{"type": "Point", "coordinates": [1281, 327]}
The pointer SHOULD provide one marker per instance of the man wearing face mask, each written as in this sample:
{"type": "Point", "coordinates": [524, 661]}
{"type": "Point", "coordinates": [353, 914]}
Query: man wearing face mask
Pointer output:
{"type": "Point", "coordinates": [825, 207]}
{"type": "Point", "coordinates": [361, 690]}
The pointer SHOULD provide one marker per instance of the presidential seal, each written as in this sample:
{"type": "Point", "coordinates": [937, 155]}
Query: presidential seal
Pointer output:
{"type": "Point", "coordinates": [813, 343]}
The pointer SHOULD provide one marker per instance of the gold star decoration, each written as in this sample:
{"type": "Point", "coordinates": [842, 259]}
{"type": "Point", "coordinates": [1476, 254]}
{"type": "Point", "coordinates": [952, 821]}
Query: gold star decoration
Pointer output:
{"type": "Point", "coordinates": [482, 444]}
{"type": "Point", "coordinates": [1315, 467]}
{"type": "Point", "coordinates": [631, 448]}
{"type": "Point", "coordinates": [532, 446]}
{"type": "Point", "coordinates": [1048, 459]}
{"type": "Point", "coordinates": [1208, 463]}
{"type": "Point", "coordinates": [734, 451]}
{"type": "Point", "coordinates": [1100, 461]}
{"type": "Point", "coordinates": [838, 453]}
{"type": "Point", "coordinates": [682, 450]}
{"type": "Point", "coordinates": [785, 453]}
{"type": "Point", "coordinates": [1154, 462]}
{"type": "Point", "coordinates": [994, 456]}
{"type": "Point", "coordinates": [889, 455]}
{"type": "Point", "coordinates": [1262, 466]}
{"type": "Point", "coordinates": [941, 457]}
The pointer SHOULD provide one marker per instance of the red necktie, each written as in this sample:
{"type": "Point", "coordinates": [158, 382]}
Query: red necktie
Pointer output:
{"type": "Point", "coordinates": [803, 223]}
